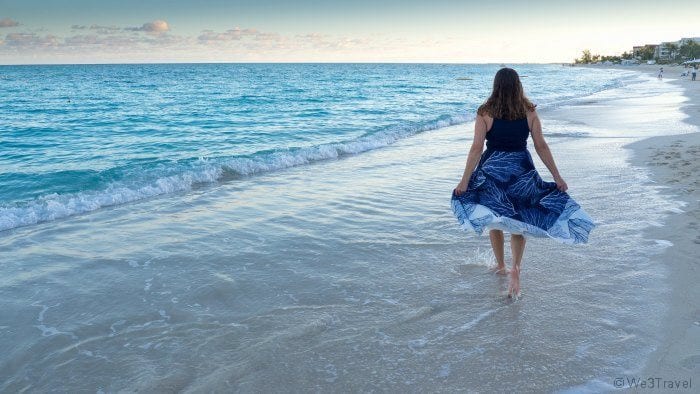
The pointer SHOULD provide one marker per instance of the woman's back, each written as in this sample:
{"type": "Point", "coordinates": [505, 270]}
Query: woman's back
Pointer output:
{"type": "Point", "coordinates": [508, 135]}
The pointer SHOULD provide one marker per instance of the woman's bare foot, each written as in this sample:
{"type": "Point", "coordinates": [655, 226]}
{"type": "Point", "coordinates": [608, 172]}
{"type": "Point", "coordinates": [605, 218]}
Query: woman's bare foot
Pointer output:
{"type": "Point", "coordinates": [499, 269]}
{"type": "Point", "coordinates": [514, 284]}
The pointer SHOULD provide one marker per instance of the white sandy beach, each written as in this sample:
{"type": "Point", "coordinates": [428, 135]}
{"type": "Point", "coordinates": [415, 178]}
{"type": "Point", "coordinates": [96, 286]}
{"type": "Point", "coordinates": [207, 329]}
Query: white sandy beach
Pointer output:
{"type": "Point", "coordinates": [675, 162]}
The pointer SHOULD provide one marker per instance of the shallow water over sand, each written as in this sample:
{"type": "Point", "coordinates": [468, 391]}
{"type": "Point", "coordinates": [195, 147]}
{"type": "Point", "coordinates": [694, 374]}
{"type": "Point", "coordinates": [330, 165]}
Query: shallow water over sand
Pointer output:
{"type": "Point", "coordinates": [347, 275]}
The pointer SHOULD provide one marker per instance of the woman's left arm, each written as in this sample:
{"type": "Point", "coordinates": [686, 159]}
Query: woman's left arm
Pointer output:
{"type": "Point", "coordinates": [474, 153]}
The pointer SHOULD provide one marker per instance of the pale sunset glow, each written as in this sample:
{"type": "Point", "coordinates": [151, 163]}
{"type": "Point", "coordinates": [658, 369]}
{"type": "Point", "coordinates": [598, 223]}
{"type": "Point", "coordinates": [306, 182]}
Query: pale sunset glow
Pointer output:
{"type": "Point", "coordinates": [81, 31]}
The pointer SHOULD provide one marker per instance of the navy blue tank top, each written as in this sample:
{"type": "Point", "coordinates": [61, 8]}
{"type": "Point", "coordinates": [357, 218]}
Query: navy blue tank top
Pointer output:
{"type": "Point", "coordinates": [508, 135]}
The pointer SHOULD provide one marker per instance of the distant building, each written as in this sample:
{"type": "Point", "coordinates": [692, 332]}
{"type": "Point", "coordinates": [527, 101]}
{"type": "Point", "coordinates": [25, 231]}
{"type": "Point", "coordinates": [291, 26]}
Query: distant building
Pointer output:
{"type": "Point", "coordinates": [663, 51]}
{"type": "Point", "coordinates": [684, 40]}
{"type": "Point", "coordinates": [637, 49]}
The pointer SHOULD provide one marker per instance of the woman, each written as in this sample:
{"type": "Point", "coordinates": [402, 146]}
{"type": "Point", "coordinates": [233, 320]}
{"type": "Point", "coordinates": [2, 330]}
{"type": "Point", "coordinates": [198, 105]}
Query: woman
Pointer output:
{"type": "Point", "coordinates": [500, 189]}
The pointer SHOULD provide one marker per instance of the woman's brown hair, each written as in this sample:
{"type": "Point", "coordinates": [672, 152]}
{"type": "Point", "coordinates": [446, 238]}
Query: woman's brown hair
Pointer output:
{"type": "Point", "coordinates": [508, 99]}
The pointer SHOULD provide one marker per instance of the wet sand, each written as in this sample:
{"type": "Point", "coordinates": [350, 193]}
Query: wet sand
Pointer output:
{"type": "Point", "coordinates": [674, 161]}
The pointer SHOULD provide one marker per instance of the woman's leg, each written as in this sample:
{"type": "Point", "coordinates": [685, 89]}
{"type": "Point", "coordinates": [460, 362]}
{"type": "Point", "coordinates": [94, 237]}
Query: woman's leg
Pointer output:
{"type": "Point", "coordinates": [517, 247]}
{"type": "Point", "coordinates": [497, 245]}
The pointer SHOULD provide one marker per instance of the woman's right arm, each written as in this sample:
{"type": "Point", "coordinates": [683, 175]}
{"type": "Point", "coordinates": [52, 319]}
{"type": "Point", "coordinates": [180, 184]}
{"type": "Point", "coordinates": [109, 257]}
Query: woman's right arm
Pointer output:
{"type": "Point", "coordinates": [544, 153]}
{"type": "Point", "coordinates": [474, 153]}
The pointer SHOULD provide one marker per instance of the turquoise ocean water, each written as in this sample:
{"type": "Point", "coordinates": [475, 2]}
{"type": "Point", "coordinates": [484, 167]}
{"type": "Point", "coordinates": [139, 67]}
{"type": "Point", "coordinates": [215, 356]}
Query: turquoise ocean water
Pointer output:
{"type": "Point", "coordinates": [77, 138]}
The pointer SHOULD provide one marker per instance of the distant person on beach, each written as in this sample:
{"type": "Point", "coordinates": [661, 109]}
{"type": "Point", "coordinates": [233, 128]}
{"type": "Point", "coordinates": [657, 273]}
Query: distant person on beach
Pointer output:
{"type": "Point", "coordinates": [501, 190]}
{"type": "Point", "coordinates": [661, 73]}
{"type": "Point", "coordinates": [694, 73]}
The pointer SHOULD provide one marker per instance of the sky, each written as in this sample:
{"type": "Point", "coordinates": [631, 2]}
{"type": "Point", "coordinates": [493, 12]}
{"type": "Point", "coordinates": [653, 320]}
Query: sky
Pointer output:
{"type": "Point", "coordinates": [436, 31]}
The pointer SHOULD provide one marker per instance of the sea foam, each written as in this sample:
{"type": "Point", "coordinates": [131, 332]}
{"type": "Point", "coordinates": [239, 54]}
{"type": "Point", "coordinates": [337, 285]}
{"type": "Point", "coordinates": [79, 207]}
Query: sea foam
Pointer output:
{"type": "Point", "coordinates": [199, 171]}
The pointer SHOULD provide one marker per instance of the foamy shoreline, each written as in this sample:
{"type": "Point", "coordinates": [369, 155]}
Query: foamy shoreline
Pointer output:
{"type": "Point", "coordinates": [674, 161]}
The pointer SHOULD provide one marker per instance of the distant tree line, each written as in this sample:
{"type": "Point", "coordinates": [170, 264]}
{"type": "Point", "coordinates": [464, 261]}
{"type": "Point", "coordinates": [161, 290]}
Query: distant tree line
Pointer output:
{"type": "Point", "coordinates": [646, 53]}
{"type": "Point", "coordinates": [687, 50]}
{"type": "Point", "coordinates": [587, 57]}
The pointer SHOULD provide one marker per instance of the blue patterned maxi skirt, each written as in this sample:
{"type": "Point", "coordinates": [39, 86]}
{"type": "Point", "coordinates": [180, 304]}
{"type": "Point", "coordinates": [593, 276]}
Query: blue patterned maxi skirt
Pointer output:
{"type": "Point", "coordinates": [505, 192]}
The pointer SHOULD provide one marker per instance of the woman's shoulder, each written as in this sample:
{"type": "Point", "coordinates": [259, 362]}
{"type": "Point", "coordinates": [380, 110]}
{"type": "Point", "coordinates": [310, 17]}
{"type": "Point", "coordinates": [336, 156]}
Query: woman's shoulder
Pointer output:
{"type": "Point", "coordinates": [485, 118]}
{"type": "Point", "coordinates": [531, 117]}
{"type": "Point", "coordinates": [531, 112]}
{"type": "Point", "coordinates": [483, 113]}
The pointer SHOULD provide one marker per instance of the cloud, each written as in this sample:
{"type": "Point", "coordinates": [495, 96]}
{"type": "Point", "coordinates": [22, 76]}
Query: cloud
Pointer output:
{"type": "Point", "coordinates": [7, 22]}
{"type": "Point", "coordinates": [158, 26]}
{"type": "Point", "coordinates": [31, 40]}
{"type": "Point", "coordinates": [154, 39]}
{"type": "Point", "coordinates": [82, 40]}
{"type": "Point", "coordinates": [94, 40]}
{"type": "Point", "coordinates": [253, 39]}
{"type": "Point", "coordinates": [326, 41]}
{"type": "Point", "coordinates": [98, 29]}
{"type": "Point", "coordinates": [234, 34]}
